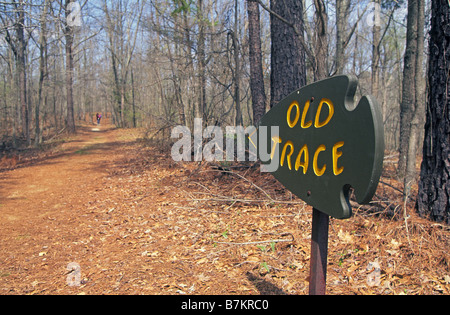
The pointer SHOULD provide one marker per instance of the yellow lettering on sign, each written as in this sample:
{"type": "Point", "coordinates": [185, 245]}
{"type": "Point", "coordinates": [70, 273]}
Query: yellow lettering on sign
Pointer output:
{"type": "Point", "coordinates": [305, 163]}
{"type": "Point", "coordinates": [291, 123]}
{"type": "Point", "coordinates": [330, 105]}
{"type": "Point", "coordinates": [317, 171]}
{"type": "Point", "coordinates": [303, 157]}
{"type": "Point", "coordinates": [305, 111]}
{"type": "Point", "coordinates": [305, 125]}
{"type": "Point", "coordinates": [283, 154]}
{"type": "Point", "coordinates": [336, 155]}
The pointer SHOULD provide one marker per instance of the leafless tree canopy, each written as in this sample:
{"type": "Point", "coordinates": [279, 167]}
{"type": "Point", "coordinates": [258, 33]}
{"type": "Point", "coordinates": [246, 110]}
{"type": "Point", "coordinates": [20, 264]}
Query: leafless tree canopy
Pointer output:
{"type": "Point", "coordinates": [157, 64]}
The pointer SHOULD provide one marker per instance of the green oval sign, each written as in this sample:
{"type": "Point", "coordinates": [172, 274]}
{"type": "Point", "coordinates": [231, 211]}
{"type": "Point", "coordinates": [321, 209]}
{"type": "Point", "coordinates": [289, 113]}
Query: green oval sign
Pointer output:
{"type": "Point", "coordinates": [321, 144]}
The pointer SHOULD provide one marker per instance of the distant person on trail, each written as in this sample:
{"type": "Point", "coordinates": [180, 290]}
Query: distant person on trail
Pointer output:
{"type": "Point", "coordinates": [99, 117]}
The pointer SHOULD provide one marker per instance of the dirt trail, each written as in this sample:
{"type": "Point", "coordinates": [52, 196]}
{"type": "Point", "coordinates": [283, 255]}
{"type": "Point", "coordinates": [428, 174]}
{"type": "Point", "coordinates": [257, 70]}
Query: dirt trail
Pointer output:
{"type": "Point", "coordinates": [56, 180]}
{"type": "Point", "coordinates": [43, 205]}
{"type": "Point", "coordinates": [122, 218]}
{"type": "Point", "coordinates": [116, 219]}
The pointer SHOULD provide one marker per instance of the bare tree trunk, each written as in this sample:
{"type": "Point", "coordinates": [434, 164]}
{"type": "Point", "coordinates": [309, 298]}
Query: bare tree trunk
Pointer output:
{"type": "Point", "coordinates": [42, 71]}
{"type": "Point", "coordinates": [419, 100]}
{"type": "Point", "coordinates": [202, 63]}
{"type": "Point", "coordinates": [122, 102]}
{"type": "Point", "coordinates": [190, 62]}
{"type": "Point", "coordinates": [15, 109]}
{"type": "Point", "coordinates": [122, 42]}
{"type": "Point", "coordinates": [434, 186]}
{"type": "Point", "coordinates": [259, 98]}
{"type": "Point", "coordinates": [408, 99]}
{"type": "Point", "coordinates": [376, 50]}
{"type": "Point", "coordinates": [237, 70]}
{"type": "Point", "coordinates": [342, 7]}
{"type": "Point", "coordinates": [133, 99]}
{"type": "Point", "coordinates": [20, 53]}
{"type": "Point", "coordinates": [321, 41]}
{"type": "Point", "coordinates": [68, 32]}
{"type": "Point", "coordinates": [288, 64]}
{"type": "Point", "coordinates": [177, 85]}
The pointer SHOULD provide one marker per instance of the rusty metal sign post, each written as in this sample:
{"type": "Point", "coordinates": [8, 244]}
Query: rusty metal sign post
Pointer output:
{"type": "Point", "coordinates": [319, 145]}
{"type": "Point", "coordinates": [319, 253]}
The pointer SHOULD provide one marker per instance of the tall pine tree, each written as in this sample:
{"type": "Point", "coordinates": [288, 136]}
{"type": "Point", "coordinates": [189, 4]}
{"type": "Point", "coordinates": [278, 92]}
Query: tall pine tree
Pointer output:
{"type": "Point", "coordinates": [288, 55]}
{"type": "Point", "coordinates": [255, 55]}
{"type": "Point", "coordinates": [434, 186]}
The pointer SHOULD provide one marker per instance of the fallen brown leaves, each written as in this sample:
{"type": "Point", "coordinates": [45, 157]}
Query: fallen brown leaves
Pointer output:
{"type": "Point", "coordinates": [244, 226]}
{"type": "Point", "coordinates": [153, 226]}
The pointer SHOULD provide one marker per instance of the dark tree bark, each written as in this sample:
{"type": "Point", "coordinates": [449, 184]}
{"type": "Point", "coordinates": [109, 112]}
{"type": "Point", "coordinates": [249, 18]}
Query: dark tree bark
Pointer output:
{"type": "Point", "coordinates": [68, 32]}
{"type": "Point", "coordinates": [342, 8]}
{"type": "Point", "coordinates": [237, 69]}
{"type": "Point", "coordinates": [409, 74]}
{"type": "Point", "coordinates": [376, 51]}
{"type": "Point", "coordinates": [42, 71]}
{"type": "Point", "coordinates": [434, 186]}
{"type": "Point", "coordinates": [321, 41]}
{"type": "Point", "coordinates": [419, 101]}
{"type": "Point", "coordinates": [288, 63]}
{"type": "Point", "coordinates": [21, 69]}
{"type": "Point", "coordinates": [19, 48]}
{"type": "Point", "coordinates": [259, 97]}
{"type": "Point", "coordinates": [203, 111]}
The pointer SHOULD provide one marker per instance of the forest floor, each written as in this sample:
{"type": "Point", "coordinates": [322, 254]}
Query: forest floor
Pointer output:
{"type": "Point", "coordinates": [132, 221]}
